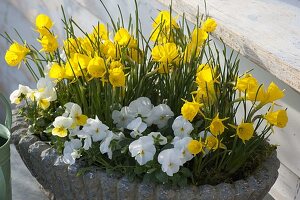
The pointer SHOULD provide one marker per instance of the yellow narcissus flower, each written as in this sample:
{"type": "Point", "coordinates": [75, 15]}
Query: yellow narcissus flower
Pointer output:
{"type": "Point", "coordinates": [56, 71]}
{"type": "Point", "coordinates": [49, 43]}
{"type": "Point", "coordinates": [191, 50]}
{"type": "Point", "coordinates": [256, 93]}
{"type": "Point", "coordinates": [71, 45]}
{"type": "Point", "coordinates": [204, 74]}
{"type": "Point", "coordinates": [122, 37]}
{"type": "Point", "coordinates": [166, 53]}
{"type": "Point", "coordinates": [61, 124]}
{"type": "Point", "coordinates": [189, 110]}
{"type": "Point", "coordinates": [136, 55]}
{"type": "Point", "coordinates": [195, 147]}
{"type": "Point", "coordinates": [110, 50]}
{"type": "Point", "coordinates": [165, 19]}
{"type": "Point", "coordinates": [15, 54]}
{"type": "Point", "coordinates": [278, 118]}
{"type": "Point", "coordinates": [245, 131]}
{"type": "Point", "coordinates": [212, 143]}
{"type": "Point", "coordinates": [199, 36]}
{"type": "Point", "coordinates": [43, 24]}
{"type": "Point", "coordinates": [273, 93]}
{"type": "Point", "coordinates": [116, 64]}
{"type": "Point", "coordinates": [81, 60]}
{"type": "Point", "coordinates": [117, 77]}
{"type": "Point", "coordinates": [209, 25]}
{"type": "Point", "coordinates": [247, 82]}
{"type": "Point", "coordinates": [86, 45]}
{"type": "Point", "coordinates": [101, 31]}
{"type": "Point", "coordinates": [72, 69]}
{"type": "Point", "coordinates": [216, 126]}
{"type": "Point", "coordinates": [96, 67]}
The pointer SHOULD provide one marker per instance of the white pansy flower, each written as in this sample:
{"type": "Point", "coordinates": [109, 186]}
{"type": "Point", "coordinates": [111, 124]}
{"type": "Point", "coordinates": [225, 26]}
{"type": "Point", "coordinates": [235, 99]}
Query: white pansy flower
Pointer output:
{"type": "Point", "coordinates": [61, 124]}
{"type": "Point", "coordinates": [87, 138]}
{"type": "Point", "coordinates": [181, 145]}
{"type": "Point", "coordinates": [170, 161]}
{"type": "Point", "coordinates": [142, 106]}
{"type": "Point", "coordinates": [71, 151]}
{"type": "Point", "coordinates": [160, 115]}
{"type": "Point", "coordinates": [105, 144]}
{"type": "Point", "coordinates": [162, 140]}
{"type": "Point", "coordinates": [96, 129]}
{"type": "Point", "coordinates": [123, 118]}
{"type": "Point", "coordinates": [182, 127]}
{"type": "Point", "coordinates": [142, 149]}
{"type": "Point", "coordinates": [45, 93]}
{"type": "Point", "coordinates": [137, 126]}
{"type": "Point", "coordinates": [74, 111]}
{"type": "Point", "coordinates": [16, 95]}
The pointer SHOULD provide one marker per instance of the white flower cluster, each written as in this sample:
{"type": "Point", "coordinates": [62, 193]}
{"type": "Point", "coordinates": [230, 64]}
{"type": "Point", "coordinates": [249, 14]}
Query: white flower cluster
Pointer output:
{"type": "Point", "coordinates": [135, 118]}
{"type": "Point", "coordinates": [141, 114]}
{"type": "Point", "coordinates": [43, 94]}
{"type": "Point", "coordinates": [83, 131]}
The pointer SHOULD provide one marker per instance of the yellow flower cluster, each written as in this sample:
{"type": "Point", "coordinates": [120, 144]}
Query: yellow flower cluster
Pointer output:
{"type": "Point", "coordinates": [47, 40]}
{"type": "Point", "coordinates": [169, 54]}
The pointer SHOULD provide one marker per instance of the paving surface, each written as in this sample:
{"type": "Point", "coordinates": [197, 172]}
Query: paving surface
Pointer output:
{"type": "Point", "coordinates": [24, 185]}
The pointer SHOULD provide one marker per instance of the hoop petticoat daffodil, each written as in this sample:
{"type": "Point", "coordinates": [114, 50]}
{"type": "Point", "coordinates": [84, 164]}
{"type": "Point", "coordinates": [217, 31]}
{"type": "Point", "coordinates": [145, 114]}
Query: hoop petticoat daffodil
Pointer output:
{"type": "Point", "coordinates": [43, 24]}
{"type": "Point", "coordinates": [216, 126]}
{"type": "Point", "coordinates": [278, 118]}
{"type": "Point", "coordinates": [195, 147]}
{"type": "Point", "coordinates": [209, 25]}
{"type": "Point", "coordinates": [15, 54]}
{"type": "Point", "coordinates": [244, 131]}
{"type": "Point", "coordinates": [189, 110]}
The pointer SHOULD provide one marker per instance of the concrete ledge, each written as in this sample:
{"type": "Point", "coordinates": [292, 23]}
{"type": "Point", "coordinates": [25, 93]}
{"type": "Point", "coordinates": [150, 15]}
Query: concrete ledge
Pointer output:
{"type": "Point", "coordinates": [265, 32]}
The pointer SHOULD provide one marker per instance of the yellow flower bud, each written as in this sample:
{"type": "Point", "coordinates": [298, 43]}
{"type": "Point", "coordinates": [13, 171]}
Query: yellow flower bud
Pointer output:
{"type": "Point", "coordinates": [199, 36]}
{"type": "Point", "coordinates": [15, 54]}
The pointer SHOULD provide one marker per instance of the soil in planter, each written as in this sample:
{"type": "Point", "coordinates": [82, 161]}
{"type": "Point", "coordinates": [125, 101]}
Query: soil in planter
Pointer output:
{"type": "Point", "coordinates": [2, 141]}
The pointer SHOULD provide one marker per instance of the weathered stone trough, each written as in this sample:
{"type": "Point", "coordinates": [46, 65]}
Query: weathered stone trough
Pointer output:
{"type": "Point", "coordinates": [59, 180]}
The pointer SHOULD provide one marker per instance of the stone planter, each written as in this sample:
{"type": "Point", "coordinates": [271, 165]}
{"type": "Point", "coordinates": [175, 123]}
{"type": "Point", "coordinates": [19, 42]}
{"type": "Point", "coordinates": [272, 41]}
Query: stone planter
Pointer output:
{"type": "Point", "coordinates": [60, 181]}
